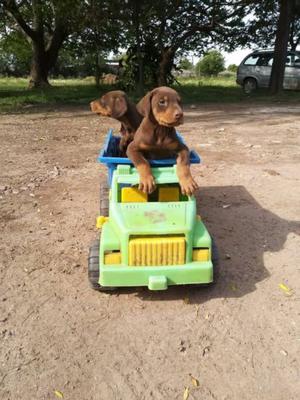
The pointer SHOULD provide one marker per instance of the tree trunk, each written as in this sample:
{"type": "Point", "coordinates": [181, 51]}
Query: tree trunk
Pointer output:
{"type": "Point", "coordinates": [39, 67]}
{"type": "Point", "coordinates": [97, 70]}
{"type": "Point", "coordinates": [165, 66]}
{"type": "Point", "coordinates": [281, 43]}
{"type": "Point", "coordinates": [136, 19]}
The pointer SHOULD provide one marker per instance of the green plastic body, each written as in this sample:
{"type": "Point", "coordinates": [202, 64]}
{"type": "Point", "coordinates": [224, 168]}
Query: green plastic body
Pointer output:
{"type": "Point", "coordinates": [152, 218]}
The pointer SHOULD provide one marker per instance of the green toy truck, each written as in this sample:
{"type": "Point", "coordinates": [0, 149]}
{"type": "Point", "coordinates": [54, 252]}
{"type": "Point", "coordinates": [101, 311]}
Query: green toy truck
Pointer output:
{"type": "Point", "coordinates": [155, 240]}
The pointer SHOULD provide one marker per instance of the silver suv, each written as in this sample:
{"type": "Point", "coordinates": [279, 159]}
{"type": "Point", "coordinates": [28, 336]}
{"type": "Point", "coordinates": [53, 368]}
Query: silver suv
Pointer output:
{"type": "Point", "coordinates": [255, 70]}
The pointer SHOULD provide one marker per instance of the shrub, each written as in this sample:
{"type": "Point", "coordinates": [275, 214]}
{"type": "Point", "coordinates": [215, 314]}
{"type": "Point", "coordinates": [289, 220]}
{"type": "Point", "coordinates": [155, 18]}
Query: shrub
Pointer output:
{"type": "Point", "coordinates": [211, 64]}
{"type": "Point", "coordinates": [232, 68]}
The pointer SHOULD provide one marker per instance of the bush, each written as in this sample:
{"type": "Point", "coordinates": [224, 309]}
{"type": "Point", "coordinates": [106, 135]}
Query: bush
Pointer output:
{"type": "Point", "coordinates": [227, 74]}
{"type": "Point", "coordinates": [185, 64]}
{"type": "Point", "coordinates": [211, 64]}
{"type": "Point", "coordinates": [232, 68]}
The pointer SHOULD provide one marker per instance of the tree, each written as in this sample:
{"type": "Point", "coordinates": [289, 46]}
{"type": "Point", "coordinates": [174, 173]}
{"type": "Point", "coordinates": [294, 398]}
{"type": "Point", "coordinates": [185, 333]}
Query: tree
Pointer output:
{"type": "Point", "coordinates": [281, 43]}
{"type": "Point", "coordinates": [103, 32]}
{"type": "Point", "coordinates": [262, 28]}
{"type": "Point", "coordinates": [171, 28]}
{"type": "Point", "coordinates": [294, 37]}
{"type": "Point", "coordinates": [211, 64]}
{"type": "Point", "coordinates": [15, 53]}
{"type": "Point", "coordinates": [185, 64]}
{"type": "Point", "coordinates": [46, 25]}
{"type": "Point", "coordinates": [276, 24]}
{"type": "Point", "coordinates": [232, 67]}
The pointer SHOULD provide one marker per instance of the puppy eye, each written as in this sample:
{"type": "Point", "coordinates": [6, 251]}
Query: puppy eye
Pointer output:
{"type": "Point", "coordinates": [162, 102]}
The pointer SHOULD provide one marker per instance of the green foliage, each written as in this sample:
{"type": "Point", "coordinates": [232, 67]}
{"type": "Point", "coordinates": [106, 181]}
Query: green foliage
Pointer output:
{"type": "Point", "coordinates": [129, 72]}
{"type": "Point", "coordinates": [15, 54]}
{"type": "Point", "coordinates": [171, 28]}
{"type": "Point", "coordinates": [211, 64]}
{"type": "Point", "coordinates": [232, 68]}
{"type": "Point", "coordinates": [185, 64]}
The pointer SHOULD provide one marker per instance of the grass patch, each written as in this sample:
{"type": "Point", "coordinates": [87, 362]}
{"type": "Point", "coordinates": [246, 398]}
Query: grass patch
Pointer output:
{"type": "Point", "coordinates": [226, 90]}
{"type": "Point", "coordinates": [14, 93]}
{"type": "Point", "coordinates": [15, 96]}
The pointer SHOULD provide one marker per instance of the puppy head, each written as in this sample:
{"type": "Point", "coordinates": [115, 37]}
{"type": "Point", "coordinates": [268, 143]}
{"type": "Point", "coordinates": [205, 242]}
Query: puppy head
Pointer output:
{"type": "Point", "coordinates": [164, 105]}
{"type": "Point", "coordinates": [112, 104]}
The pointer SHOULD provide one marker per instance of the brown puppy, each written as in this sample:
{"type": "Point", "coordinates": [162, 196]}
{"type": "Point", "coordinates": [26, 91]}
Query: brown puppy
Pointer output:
{"type": "Point", "coordinates": [156, 137]}
{"type": "Point", "coordinates": [115, 104]}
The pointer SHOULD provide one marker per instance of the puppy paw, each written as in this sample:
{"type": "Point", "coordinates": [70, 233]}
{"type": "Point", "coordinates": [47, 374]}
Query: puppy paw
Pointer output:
{"type": "Point", "coordinates": [188, 185]}
{"type": "Point", "coordinates": [147, 184]}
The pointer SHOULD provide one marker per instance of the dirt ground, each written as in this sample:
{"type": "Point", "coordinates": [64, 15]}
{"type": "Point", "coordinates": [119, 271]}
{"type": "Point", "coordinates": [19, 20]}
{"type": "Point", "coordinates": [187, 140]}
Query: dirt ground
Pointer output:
{"type": "Point", "coordinates": [239, 339]}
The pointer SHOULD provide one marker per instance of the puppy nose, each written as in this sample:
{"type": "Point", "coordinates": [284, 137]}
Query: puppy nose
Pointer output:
{"type": "Point", "coordinates": [178, 114]}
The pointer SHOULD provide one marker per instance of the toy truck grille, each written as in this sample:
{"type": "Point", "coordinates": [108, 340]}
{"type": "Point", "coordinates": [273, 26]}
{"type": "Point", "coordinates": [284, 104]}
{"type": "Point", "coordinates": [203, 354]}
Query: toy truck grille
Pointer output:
{"type": "Point", "coordinates": [157, 250]}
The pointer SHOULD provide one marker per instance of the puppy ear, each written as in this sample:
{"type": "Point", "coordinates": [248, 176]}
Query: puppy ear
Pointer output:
{"type": "Point", "coordinates": [119, 107]}
{"type": "Point", "coordinates": [95, 106]}
{"type": "Point", "coordinates": [144, 105]}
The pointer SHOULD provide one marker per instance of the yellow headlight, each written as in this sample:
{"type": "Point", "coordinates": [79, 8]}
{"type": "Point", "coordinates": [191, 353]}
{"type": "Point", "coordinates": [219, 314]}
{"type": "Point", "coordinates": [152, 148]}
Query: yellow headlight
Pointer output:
{"type": "Point", "coordinates": [201, 254]}
{"type": "Point", "coordinates": [113, 257]}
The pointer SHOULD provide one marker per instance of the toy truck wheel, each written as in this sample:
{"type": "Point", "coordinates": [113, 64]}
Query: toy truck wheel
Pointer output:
{"type": "Point", "coordinates": [94, 269]}
{"type": "Point", "coordinates": [104, 198]}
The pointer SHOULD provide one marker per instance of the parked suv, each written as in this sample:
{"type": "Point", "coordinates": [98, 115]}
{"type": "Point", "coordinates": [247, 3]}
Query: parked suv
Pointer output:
{"type": "Point", "coordinates": [255, 70]}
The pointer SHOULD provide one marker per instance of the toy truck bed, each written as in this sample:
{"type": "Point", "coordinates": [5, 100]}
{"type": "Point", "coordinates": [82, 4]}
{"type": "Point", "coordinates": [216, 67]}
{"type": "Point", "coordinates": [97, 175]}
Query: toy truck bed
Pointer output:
{"type": "Point", "coordinates": [110, 156]}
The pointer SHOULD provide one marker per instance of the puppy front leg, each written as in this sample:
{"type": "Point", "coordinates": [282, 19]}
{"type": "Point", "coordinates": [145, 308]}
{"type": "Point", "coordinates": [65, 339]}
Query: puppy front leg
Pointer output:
{"type": "Point", "coordinates": [186, 181]}
{"type": "Point", "coordinates": [126, 138]}
{"type": "Point", "coordinates": [147, 183]}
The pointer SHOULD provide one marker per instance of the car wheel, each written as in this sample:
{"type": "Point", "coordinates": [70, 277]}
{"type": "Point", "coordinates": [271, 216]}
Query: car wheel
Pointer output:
{"type": "Point", "coordinates": [249, 85]}
{"type": "Point", "coordinates": [94, 269]}
{"type": "Point", "coordinates": [104, 198]}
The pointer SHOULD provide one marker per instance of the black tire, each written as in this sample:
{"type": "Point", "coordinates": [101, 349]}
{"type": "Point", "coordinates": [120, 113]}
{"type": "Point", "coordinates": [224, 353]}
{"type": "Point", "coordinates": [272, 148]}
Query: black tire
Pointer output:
{"type": "Point", "coordinates": [104, 198]}
{"type": "Point", "coordinates": [94, 269]}
{"type": "Point", "coordinates": [249, 85]}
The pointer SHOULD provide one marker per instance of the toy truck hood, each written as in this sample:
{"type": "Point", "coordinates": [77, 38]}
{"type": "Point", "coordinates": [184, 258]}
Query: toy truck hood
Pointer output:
{"type": "Point", "coordinates": [154, 218]}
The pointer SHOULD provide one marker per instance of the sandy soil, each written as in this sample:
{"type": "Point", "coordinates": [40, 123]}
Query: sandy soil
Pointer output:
{"type": "Point", "coordinates": [239, 339]}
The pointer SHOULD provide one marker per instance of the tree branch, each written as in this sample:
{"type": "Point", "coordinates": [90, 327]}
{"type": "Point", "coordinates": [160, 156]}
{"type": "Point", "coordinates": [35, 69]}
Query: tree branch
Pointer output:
{"type": "Point", "coordinates": [12, 10]}
{"type": "Point", "coordinates": [198, 28]}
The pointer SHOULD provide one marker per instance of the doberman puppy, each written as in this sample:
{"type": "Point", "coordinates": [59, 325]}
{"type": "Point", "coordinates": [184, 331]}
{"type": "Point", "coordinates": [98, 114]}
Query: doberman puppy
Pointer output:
{"type": "Point", "coordinates": [115, 104]}
{"type": "Point", "coordinates": [156, 138]}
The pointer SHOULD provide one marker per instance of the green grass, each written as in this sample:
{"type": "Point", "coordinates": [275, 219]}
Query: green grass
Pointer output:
{"type": "Point", "coordinates": [15, 96]}
{"type": "Point", "coordinates": [226, 90]}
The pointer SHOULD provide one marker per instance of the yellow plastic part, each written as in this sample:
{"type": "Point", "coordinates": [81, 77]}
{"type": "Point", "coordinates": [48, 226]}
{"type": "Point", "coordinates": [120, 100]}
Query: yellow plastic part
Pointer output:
{"type": "Point", "coordinates": [112, 258]}
{"type": "Point", "coordinates": [168, 194]}
{"type": "Point", "coordinates": [158, 250]}
{"type": "Point", "coordinates": [100, 221]}
{"type": "Point", "coordinates": [133, 195]}
{"type": "Point", "coordinates": [201, 254]}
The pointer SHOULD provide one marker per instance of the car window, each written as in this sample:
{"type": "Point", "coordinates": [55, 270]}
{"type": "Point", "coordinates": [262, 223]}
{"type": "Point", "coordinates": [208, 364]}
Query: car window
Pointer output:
{"type": "Point", "coordinates": [293, 60]}
{"type": "Point", "coordinates": [288, 61]}
{"type": "Point", "coordinates": [251, 60]}
{"type": "Point", "coordinates": [265, 60]}
{"type": "Point", "coordinates": [297, 62]}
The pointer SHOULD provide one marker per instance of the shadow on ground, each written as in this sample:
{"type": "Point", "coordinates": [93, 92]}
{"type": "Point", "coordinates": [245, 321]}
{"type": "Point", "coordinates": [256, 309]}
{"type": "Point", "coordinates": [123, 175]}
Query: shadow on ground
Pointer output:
{"type": "Point", "coordinates": [243, 232]}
